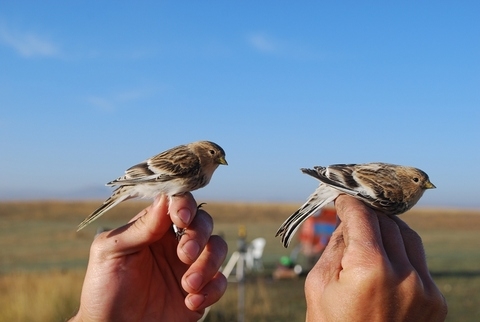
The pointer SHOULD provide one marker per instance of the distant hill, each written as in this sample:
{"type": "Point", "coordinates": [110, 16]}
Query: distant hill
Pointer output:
{"type": "Point", "coordinates": [101, 192]}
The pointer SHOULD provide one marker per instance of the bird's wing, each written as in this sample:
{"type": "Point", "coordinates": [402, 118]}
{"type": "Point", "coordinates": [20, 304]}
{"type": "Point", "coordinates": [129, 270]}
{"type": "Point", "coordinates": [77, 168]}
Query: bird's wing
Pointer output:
{"type": "Point", "coordinates": [385, 191]}
{"type": "Point", "coordinates": [374, 183]}
{"type": "Point", "coordinates": [338, 176]}
{"type": "Point", "coordinates": [175, 163]}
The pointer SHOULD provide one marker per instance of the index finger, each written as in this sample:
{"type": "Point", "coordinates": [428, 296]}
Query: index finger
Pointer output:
{"type": "Point", "coordinates": [182, 209]}
{"type": "Point", "coordinates": [361, 231]}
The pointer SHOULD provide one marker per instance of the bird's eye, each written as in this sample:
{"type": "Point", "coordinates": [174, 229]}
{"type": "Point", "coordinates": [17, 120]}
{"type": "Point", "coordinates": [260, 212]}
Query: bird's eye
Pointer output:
{"type": "Point", "coordinates": [415, 179]}
{"type": "Point", "coordinates": [212, 152]}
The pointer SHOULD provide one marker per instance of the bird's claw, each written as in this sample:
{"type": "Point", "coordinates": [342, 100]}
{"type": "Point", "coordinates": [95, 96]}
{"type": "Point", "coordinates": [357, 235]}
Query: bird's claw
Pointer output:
{"type": "Point", "coordinates": [179, 232]}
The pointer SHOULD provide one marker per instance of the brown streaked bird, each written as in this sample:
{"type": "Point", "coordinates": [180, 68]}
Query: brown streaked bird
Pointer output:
{"type": "Point", "coordinates": [173, 172]}
{"type": "Point", "coordinates": [389, 188]}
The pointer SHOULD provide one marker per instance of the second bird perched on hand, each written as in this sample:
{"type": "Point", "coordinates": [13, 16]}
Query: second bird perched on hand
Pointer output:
{"type": "Point", "coordinates": [391, 189]}
{"type": "Point", "coordinates": [176, 171]}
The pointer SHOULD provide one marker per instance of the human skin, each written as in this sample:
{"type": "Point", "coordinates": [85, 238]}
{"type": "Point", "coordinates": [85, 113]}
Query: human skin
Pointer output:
{"type": "Point", "coordinates": [141, 272]}
{"type": "Point", "coordinates": [373, 269]}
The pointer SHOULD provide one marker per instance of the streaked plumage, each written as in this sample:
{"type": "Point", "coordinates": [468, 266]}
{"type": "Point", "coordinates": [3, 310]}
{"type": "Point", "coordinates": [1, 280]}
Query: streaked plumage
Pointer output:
{"type": "Point", "coordinates": [391, 189]}
{"type": "Point", "coordinates": [178, 170]}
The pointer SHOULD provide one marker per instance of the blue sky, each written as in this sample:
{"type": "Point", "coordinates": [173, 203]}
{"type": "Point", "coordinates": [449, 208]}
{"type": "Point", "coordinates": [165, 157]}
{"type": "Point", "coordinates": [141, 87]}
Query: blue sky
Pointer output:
{"type": "Point", "coordinates": [88, 89]}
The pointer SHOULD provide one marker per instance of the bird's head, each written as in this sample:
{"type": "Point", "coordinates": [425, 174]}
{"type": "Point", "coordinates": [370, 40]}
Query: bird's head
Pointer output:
{"type": "Point", "coordinates": [212, 152]}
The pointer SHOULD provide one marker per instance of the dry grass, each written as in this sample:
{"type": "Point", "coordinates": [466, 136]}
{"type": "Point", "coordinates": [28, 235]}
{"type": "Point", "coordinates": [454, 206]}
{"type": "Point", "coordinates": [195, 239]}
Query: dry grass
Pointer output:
{"type": "Point", "coordinates": [39, 296]}
{"type": "Point", "coordinates": [265, 300]}
{"type": "Point", "coordinates": [42, 259]}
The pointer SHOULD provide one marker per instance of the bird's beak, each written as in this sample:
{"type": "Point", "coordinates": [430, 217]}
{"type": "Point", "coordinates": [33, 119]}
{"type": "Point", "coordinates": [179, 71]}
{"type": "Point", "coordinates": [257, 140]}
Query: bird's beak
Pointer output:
{"type": "Point", "coordinates": [429, 185]}
{"type": "Point", "coordinates": [222, 160]}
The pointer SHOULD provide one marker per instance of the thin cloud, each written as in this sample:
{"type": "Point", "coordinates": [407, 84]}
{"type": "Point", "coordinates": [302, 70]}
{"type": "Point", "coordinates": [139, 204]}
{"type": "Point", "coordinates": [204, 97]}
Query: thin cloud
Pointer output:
{"type": "Point", "coordinates": [262, 42]}
{"type": "Point", "coordinates": [28, 44]}
{"type": "Point", "coordinates": [266, 44]}
{"type": "Point", "coordinates": [101, 103]}
{"type": "Point", "coordinates": [112, 102]}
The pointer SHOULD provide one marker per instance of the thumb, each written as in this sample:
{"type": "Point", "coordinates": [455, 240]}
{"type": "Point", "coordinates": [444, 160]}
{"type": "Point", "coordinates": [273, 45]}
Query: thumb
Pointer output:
{"type": "Point", "coordinates": [147, 227]}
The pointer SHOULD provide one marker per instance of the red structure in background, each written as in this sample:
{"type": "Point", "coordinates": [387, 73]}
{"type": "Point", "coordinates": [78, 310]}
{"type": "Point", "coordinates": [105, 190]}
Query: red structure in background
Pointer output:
{"type": "Point", "coordinates": [316, 231]}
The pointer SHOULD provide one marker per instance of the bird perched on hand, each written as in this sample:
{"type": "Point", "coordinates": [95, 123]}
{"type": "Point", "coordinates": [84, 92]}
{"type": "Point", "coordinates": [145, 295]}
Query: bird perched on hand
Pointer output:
{"type": "Point", "coordinates": [173, 172]}
{"type": "Point", "coordinates": [389, 188]}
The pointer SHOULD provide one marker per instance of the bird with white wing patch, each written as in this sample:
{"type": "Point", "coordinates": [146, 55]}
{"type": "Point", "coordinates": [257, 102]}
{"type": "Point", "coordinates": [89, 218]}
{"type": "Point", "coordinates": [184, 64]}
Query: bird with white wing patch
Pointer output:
{"type": "Point", "coordinates": [389, 188]}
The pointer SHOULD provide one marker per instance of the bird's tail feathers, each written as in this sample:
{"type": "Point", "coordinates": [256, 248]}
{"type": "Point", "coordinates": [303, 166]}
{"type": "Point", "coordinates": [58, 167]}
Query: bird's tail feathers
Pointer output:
{"type": "Point", "coordinates": [320, 198]}
{"type": "Point", "coordinates": [117, 197]}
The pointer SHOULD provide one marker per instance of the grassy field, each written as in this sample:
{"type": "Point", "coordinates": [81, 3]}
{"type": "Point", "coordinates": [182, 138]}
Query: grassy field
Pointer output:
{"type": "Point", "coordinates": [43, 259]}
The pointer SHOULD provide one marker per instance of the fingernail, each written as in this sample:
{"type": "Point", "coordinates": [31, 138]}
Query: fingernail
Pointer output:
{"type": "Point", "coordinates": [191, 249]}
{"type": "Point", "coordinates": [195, 280]}
{"type": "Point", "coordinates": [184, 214]}
{"type": "Point", "coordinates": [157, 200]}
{"type": "Point", "coordinates": [196, 299]}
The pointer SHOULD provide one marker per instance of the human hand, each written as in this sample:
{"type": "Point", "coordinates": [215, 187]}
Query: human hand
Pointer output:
{"type": "Point", "coordinates": [373, 269]}
{"type": "Point", "coordinates": [140, 272]}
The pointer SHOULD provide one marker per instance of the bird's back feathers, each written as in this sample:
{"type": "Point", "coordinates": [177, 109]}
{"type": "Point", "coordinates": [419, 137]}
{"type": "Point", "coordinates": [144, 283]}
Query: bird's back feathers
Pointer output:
{"type": "Point", "coordinates": [174, 163]}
